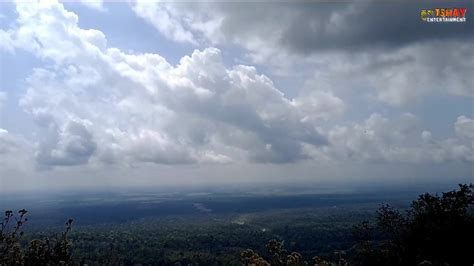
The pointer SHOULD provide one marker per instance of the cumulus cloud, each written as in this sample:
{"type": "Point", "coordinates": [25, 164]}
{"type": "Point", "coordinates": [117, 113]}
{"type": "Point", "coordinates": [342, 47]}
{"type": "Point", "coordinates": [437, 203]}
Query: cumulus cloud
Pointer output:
{"type": "Point", "coordinates": [99, 104]}
{"type": "Point", "coordinates": [167, 20]}
{"type": "Point", "coordinates": [318, 105]}
{"type": "Point", "coordinates": [95, 104]}
{"type": "Point", "coordinates": [398, 140]}
{"type": "Point", "coordinates": [366, 41]}
{"type": "Point", "coordinates": [71, 145]}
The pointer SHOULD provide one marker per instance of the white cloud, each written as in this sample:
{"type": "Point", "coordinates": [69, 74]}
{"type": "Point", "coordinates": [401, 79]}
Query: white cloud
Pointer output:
{"type": "Point", "coordinates": [398, 140]}
{"type": "Point", "coordinates": [94, 4]}
{"type": "Point", "coordinates": [319, 105]}
{"type": "Point", "coordinates": [400, 67]}
{"type": "Point", "coordinates": [94, 104]}
{"type": "Point", "coordinates": [156, 147]}
{"type": "Point", "coordinates": [464, 127]}
{"type": "Point", "coordinates": [97, 104]}
{"type": "Point", "coordinates": [187, 22]}
{"type": "Point", "coordinates": [166, 19]}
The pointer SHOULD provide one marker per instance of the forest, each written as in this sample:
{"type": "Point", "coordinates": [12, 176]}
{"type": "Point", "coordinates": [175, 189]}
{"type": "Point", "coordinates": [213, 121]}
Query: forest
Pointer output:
{"type": "Point", "coordinates": [427, 231]}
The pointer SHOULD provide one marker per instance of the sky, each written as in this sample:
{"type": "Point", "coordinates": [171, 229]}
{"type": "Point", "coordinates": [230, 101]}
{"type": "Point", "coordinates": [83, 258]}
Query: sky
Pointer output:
{"type": "Point", "coordinates": [146, 94]}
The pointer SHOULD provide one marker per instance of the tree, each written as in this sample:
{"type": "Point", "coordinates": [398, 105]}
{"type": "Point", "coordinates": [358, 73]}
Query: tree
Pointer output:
{"type": "Point", "coordinates": [279, 256]}
{"type": "Point", "coordinates": [434, 230]}
{"type": "Point", "coordinates": [47, 251]}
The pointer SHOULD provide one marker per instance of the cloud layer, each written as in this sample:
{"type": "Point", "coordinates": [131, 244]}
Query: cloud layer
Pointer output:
{"type": "Point", "coordinates": [401, 58]}
{"type": "Point", "coordinates": [100, 103]}
{"type": "Point", "coordinates": [93, 104]}
{"type": "Point", "coordinates": [301, 27]}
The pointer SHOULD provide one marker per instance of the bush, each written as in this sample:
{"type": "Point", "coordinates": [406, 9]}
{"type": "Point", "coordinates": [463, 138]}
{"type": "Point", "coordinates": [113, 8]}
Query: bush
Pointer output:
{"type": "Point", "coordinates": [47, 251]}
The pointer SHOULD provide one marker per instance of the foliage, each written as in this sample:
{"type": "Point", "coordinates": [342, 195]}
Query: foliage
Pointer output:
{"type": "Point", "coordinates": [46, 251]}
{"type": "Point", "coordinates": [279, 256]}
{"type": "Point", "coordinates": [434, 230]}
{"type": "Point", "coordinates": [215, 239]}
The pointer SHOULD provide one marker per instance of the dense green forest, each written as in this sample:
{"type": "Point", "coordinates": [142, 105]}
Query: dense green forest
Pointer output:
{"type": "Point", "coordinates": [431, 231]}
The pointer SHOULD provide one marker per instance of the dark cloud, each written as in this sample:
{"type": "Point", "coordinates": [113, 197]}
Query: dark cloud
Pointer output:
{"type": "Point", "coordinates": [366, 25]}
{"type": "Point", "coordinates": [280, 141]}
{"type": "Point", "coordinates": [72, 146]}
{"type": "Point", "coordinates": [307, 27]}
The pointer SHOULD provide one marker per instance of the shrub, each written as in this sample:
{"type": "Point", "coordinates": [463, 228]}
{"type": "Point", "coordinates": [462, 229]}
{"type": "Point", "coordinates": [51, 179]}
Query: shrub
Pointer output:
{"type": "Point", "coordinates": [48, 251]}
